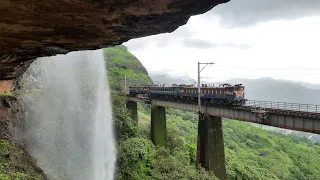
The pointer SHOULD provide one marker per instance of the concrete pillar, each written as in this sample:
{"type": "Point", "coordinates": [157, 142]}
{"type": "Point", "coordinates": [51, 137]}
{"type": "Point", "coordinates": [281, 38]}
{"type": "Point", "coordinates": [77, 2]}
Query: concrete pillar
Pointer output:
{"type": "Point", "coordinates": [158, 130]}
{"type": "Point", "coordinates": [210, 147]}
{"type": "Point", "coordinates": [133, 107]}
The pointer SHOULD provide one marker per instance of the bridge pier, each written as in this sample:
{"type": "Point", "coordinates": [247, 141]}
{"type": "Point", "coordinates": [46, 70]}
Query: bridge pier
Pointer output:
{"type": "Point", "coordinates": [133, 107]}
{"type": "Point", "coordinates": [158, 130]}
{"type": "Point", "coordinates": [210, 147]}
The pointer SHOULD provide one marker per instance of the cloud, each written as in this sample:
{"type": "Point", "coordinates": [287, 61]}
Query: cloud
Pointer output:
{"type": "Point", "coordinates": [136, 44]}
{"type": "Point", "coordinates": [160, 40]}
{"type": "Point", "coordinates": [204, 44]}
{"type": "Point", "coordinates": [244, 13]}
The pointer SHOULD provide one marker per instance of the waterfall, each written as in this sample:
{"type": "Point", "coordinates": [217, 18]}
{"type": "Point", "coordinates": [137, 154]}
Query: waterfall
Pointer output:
{"type": "Point", "coordinates": [69, 129]}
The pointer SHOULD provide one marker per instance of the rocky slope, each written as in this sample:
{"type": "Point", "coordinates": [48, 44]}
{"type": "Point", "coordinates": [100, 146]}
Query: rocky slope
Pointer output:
{"type": "Point", "coordinates": [15, 161]}
{"type": "Point", "coordinates": [32, 28]}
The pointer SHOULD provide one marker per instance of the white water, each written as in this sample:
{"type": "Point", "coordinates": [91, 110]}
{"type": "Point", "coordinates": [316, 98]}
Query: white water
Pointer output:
{"type": "Point", "coordinates": [70, 130]}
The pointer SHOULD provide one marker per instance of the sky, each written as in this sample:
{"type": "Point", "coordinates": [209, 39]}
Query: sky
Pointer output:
{"type": "Point", "coordinates": [244, 38]}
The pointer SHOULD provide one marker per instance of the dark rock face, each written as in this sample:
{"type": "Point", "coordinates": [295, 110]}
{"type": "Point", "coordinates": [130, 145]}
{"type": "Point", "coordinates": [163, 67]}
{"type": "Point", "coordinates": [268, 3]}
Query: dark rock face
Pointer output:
{"type": "Point", "coordinates": [11, 118]}
{"type": "Point", "coordinates": [33, 28]}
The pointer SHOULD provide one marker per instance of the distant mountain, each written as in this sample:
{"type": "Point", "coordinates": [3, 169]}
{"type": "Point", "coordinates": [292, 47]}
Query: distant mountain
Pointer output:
{"type": "Point", "coordinates": [165, 78]}
{"type": "Point", "coordinates": [268, 89]}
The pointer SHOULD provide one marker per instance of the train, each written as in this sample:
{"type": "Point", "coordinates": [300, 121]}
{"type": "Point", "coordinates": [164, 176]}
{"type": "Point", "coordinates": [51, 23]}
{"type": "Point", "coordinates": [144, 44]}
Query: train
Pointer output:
{"type": "Point", "coordinates": [223, 94]}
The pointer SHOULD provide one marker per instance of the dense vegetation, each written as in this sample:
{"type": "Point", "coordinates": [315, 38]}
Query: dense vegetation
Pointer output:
{"type": "Point", "coordinates": [138, 158]}
{"type": "Point", "coordinates": [251, 152]}
{"type": "Point", "coordinates": [122, 63]}
{"type": "Point", "coordinates": [15, 163]}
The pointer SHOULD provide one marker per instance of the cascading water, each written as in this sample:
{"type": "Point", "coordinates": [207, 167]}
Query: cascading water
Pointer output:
{"type": "Point", "coordinates": [69, 129]}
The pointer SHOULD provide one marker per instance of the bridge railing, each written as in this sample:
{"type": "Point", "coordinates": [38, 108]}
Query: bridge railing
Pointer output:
{"type": "Point", "coordinates": [284, 106]}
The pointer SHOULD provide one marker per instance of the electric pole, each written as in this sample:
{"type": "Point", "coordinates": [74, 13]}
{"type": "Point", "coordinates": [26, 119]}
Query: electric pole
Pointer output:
{"type": "Point", "coordinates": [199, 90]}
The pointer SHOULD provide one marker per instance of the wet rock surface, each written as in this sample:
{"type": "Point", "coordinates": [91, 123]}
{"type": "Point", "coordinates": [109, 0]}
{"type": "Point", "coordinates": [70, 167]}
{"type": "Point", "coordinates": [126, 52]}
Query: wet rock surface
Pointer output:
{"type": "Point", "coordinates": [11, 118]}
{"type": "Point", "coordinates": [32, 28]}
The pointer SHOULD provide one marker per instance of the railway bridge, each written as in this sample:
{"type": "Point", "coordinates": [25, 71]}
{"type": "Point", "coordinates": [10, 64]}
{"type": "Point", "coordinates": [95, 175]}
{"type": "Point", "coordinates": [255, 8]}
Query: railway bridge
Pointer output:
{"type": "Point", "coordinates": [210, 146]}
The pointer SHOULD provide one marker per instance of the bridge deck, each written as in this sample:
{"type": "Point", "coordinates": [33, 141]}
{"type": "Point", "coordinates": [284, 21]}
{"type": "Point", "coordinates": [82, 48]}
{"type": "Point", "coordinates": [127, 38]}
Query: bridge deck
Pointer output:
{"type": "Point", "coordinates": [288, 118]}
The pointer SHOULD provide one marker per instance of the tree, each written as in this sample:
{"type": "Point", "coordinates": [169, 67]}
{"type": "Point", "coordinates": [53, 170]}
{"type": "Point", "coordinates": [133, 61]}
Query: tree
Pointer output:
{"type": "Point", "coordinates": [136, 159]}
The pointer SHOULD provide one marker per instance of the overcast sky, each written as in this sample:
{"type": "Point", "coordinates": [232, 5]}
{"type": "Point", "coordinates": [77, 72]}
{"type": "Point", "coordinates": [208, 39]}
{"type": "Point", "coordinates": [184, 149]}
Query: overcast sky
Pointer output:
{"type": "Point", "coordinates": [244, 38]}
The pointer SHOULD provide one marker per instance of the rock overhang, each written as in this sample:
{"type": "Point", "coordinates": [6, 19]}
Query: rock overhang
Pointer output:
{"type": "Point", "coordinates": [33, 28]}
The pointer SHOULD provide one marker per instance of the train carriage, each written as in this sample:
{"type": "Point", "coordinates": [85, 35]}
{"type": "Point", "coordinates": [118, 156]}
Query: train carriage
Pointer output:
{"type": "Point", "coordinates": [223, 94]}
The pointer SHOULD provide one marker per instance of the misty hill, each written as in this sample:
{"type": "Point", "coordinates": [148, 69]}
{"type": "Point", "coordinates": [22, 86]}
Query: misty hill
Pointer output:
{"type": "Point", "coordinates": [268, 89]}
{"type": "Point", "coordinates": [165, 78]}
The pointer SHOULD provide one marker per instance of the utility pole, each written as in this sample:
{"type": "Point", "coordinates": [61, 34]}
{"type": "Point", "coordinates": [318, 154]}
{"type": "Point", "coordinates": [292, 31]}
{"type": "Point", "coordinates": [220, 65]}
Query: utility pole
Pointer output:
{"type": "Point", "coordinates": [199, 90]}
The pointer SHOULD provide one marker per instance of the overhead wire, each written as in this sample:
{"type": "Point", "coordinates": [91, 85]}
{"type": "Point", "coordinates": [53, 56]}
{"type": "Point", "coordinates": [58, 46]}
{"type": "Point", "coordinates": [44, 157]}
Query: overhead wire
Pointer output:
{"type": "Point", "coordinates": [259, 68]}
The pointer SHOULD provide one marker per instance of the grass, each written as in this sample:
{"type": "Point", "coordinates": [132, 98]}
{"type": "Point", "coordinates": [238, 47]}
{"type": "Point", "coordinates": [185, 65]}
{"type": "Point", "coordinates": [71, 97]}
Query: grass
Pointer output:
{"type": "Point", "coordinates": [6, 93]}
{"type": "Point", "coordinates": [16, 164]}
{"type": "Point", "coordinates": [143, 118]}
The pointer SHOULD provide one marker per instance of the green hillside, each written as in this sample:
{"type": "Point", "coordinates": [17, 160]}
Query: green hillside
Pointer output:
{"type": "Point", "coordinates": [120, 63]}
{"type": "Point", "coordinates": [251, 152]}
{"type": "Point", "coordinates": [137, 157]}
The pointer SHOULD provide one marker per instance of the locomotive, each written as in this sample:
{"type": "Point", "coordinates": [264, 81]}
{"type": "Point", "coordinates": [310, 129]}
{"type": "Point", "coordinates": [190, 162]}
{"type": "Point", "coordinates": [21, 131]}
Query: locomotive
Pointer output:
{"type": "Point", "coordinates": [224, 94]}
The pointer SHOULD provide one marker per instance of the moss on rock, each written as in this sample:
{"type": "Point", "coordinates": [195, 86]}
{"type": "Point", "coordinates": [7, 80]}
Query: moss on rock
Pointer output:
{"type": "Point", "coordinates": [16, 163]}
